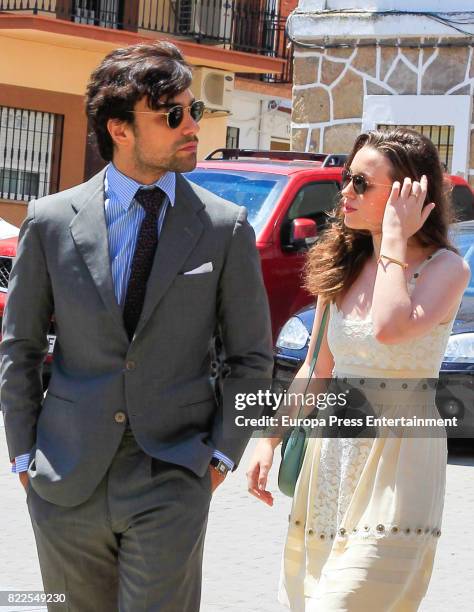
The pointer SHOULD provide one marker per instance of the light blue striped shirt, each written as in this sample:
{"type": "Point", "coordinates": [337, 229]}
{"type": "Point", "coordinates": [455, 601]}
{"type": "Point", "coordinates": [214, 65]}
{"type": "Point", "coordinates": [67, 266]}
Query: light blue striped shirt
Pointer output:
{"type": "Point", "coordinates": [123, 217]}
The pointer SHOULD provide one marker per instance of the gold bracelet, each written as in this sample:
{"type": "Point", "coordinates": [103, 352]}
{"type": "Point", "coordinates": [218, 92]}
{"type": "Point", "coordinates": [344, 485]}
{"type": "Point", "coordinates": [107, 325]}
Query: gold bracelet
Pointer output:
{"type": "Point", "coordinates": [396, 261]}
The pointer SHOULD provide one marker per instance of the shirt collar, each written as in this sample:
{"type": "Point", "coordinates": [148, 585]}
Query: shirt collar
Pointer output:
{"type": "Point", "coordinates": [124, 188]}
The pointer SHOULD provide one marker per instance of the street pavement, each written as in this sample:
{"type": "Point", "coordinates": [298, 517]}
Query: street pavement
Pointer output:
{"type": "Point", "coordinates": [244, 542]}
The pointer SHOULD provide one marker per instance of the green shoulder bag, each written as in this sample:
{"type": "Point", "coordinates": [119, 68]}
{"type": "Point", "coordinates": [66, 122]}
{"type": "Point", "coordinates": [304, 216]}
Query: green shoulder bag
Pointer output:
{"type": "Point", "coordinates": [295, 441]}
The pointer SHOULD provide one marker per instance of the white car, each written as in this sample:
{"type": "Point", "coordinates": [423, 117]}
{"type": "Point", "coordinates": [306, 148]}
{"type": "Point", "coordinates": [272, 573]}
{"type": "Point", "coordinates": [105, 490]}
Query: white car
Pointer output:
{"type": "Point", "coordinates": [7, 230]}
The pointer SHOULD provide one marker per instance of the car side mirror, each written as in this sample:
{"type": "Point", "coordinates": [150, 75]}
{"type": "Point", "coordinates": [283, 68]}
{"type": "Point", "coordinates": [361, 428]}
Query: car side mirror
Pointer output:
{"type": "Point", "coordinates": [303, 233]}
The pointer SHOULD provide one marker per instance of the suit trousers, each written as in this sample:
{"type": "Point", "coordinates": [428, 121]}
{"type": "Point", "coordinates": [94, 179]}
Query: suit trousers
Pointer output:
{"type": "Point", "coordinates": [135, 545]}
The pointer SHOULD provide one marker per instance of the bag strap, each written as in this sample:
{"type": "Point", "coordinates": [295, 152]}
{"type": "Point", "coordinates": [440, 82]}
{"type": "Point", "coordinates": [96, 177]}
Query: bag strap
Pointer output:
{"type": "Point", "coordinates": [424, 263]}
{"type": "Point", "coordinates": [315, 353]}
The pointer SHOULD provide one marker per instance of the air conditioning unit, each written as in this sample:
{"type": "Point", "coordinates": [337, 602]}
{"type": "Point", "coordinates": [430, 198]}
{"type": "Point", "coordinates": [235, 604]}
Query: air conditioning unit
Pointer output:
{"type": "Point", "coordinates": [212, 20]}
{"type": "Point", "coordinates": [214, 87]}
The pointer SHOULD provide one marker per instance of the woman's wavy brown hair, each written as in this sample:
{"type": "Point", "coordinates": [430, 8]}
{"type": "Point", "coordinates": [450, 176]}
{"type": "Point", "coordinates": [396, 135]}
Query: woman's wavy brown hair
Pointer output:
{"type": "Point", "coordinates": [336, 260]}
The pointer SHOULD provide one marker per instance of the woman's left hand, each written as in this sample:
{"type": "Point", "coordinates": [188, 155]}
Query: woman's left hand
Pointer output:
{"type": "Point", "coordinates": [404, 214]}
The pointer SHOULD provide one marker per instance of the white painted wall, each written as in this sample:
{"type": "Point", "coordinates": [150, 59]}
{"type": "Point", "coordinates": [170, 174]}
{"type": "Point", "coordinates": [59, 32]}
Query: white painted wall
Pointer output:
{"type": "Point", "coordinates": [257, 122]}
{"type": "Point", "coordinates": [303, 25]}
{"type": "Point", "coordinates": [441, 6]}
{"type": "Point", "coordinates": [245, 116]}
{"type": "Point", "coordinates": [425, 110]}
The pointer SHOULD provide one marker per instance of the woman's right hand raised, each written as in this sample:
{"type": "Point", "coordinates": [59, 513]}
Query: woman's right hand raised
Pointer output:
{"type": "Point", "coordinates": [259, 468]}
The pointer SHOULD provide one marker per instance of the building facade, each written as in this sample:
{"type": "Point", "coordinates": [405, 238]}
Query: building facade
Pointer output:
{"type": "Point", "coordinates": [48, 48]}
{"type": "Point", "coordinates": [365, 64]}
{"type": "Point", "coordinates": [261, 109]}
{"type": "Point", "coordinates": [259, 119]}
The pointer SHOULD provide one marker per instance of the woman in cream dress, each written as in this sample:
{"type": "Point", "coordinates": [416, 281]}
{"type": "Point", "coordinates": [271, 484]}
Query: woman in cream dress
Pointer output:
{"type": "Point", "coordinates": [366, 515]}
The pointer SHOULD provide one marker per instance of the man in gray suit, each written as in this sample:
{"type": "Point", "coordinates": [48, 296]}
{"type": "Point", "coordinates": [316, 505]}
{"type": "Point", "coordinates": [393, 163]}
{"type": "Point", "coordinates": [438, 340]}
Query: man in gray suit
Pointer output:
{"type": "Point", "coordinates": [138, 267]}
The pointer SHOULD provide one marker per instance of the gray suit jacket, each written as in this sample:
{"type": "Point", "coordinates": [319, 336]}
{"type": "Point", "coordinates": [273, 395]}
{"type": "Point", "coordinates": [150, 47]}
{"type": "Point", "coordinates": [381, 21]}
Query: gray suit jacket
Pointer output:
{"type": "Point", "coordinates": [62, 267]}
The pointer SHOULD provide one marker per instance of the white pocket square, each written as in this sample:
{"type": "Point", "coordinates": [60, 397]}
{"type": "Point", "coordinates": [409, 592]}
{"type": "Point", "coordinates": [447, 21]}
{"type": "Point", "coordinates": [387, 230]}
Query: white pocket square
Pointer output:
{"type": "Point", "coordinates": [207, 267]}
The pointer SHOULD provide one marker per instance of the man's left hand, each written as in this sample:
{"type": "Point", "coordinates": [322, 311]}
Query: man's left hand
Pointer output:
{"type": "Point", "coordinates": [216, 478]}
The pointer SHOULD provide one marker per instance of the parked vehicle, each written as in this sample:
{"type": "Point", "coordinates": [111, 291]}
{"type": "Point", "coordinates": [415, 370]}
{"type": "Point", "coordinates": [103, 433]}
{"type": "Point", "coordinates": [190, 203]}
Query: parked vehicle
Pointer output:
{"type": "Point", "coordinates": [7, 230]}
{"type": "Point", "coordinates": [8, 243]}
{"type": "Point", "coordinates": [463, 198]}
{"type": "Point", "coordinates": [288, 196]}
{"type": "Point", "coordinates": [455, 391]}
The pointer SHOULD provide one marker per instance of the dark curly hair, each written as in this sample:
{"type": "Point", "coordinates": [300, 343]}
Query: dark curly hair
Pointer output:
{"type": "Point", "coordinates": [155, 70]}
{"type": "Point", "coordinates": [336, 260]}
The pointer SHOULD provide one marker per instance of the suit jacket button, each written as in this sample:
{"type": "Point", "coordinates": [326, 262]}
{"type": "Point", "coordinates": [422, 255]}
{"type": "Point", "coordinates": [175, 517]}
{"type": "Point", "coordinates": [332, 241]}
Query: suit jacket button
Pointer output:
{"type": "Point", "coordinates": [120, 417]}
{"type": "Point", "coordinates": [130, 365]}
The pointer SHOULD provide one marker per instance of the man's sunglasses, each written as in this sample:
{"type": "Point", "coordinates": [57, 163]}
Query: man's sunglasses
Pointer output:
{"type": "Point", "coordinates": [359, 182]}
{"type": "Point", "coordinates": [175, 115]}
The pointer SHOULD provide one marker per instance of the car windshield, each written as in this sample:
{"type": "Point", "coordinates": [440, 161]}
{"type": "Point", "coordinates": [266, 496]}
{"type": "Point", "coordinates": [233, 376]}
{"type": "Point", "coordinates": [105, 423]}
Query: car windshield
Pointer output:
{"type": "Point", "coordinates": [463, 238]}
{"type": "Point", "coordinates": [257, 191]}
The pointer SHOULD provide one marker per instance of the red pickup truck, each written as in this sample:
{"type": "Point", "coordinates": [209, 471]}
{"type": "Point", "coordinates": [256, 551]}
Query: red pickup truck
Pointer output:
{"type": "Point", "coordinates": [288, 195]}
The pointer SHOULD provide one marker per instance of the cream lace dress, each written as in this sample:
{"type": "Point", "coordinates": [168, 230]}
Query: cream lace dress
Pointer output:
{"type": "Point", "coordinates": [366, 516]}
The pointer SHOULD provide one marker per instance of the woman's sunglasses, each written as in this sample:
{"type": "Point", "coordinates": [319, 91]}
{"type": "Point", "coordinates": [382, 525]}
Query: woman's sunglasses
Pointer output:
{"type": "Point", "coordinates": [175, 115]}
{"type": "Point", "coordinates": [359, 182]}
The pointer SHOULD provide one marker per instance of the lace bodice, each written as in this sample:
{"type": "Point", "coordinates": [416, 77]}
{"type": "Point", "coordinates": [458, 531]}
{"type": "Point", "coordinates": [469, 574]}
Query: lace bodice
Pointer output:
{"type": "Point", "coordinates": [356, 350]}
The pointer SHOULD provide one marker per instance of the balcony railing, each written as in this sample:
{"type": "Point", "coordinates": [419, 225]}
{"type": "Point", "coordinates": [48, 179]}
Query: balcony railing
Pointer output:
{"type": "Point", "coordinates": [282, 48]}
{"type": "Point", "coordinates": [252, 26]}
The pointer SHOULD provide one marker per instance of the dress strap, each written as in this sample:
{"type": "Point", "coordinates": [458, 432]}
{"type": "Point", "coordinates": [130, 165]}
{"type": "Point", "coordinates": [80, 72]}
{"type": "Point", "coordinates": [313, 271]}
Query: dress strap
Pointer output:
{"type": "Point", "coordinates": [417, 272]}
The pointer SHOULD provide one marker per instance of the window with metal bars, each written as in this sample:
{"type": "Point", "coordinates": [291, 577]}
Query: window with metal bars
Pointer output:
{"type": "Point", "coordinates": [30, 149]}
{"type": "Point", "coordinates": [103, 13]}
{"type": "Point", "coordinates": [232, 138]}
{"type": "Point", "coordinates": [441, 135]}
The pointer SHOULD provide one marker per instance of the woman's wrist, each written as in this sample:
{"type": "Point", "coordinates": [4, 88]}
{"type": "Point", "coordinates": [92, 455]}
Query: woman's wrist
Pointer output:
{"type": "Point", "coordinates": [394, 245]}
{"type": "Point", "coordinates": [273, 442]}
{"type": "Point", "coordinates": [394, 237]}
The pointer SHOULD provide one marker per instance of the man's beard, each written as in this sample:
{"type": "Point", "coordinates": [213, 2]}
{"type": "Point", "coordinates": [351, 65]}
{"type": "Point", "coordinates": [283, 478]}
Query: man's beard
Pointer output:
{"type": "Point", "coordinates": [182, 163]}
{"type": "Point", "coordinates": [177, 162]}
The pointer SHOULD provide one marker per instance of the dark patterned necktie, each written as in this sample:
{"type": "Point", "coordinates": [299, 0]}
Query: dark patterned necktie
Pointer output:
{"type": "Point", "coordinates": [151, 200]}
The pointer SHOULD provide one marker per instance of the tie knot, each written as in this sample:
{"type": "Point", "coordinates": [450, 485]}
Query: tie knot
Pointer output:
{"type": "Point", "coordinates": [150, 198]}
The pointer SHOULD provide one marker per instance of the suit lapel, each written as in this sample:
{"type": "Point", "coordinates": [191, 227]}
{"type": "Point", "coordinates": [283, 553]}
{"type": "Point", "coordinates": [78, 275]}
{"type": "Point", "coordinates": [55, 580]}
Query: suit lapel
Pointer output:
{"type": "Point", "coordinates": [179, 235]}
{"type": "Point", "coordinates": [89, 232]}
